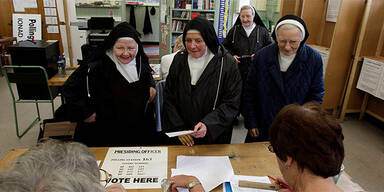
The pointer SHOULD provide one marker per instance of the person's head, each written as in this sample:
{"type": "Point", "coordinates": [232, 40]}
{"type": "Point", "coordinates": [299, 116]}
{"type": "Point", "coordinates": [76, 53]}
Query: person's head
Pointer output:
{"type": "Point", "coordinates": [125, 43]}
{"type": "Point", "coordinates": [178, 44]}
{"type": "Point", "coordinates": [306, 139]}
{"type": "Point", "coordinates": [53, 166]}
{"type": "Point", "coordinates": [198, 35]}
{"type": "Point", "coordinates": [290, 33]}
{"type": "Point", "coordinates": [247, 14]}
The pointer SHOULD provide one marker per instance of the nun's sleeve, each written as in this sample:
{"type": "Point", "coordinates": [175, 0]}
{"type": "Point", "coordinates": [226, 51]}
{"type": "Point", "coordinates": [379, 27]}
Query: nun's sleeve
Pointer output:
{"type": "Point", "coordinates": [228, 108]}
{"type": "Point", "coordinates": [171, 119]}
{"type": "Point", "coordinates": [227, 43]}
{"type": "Point", "coordinates": [316, 90]}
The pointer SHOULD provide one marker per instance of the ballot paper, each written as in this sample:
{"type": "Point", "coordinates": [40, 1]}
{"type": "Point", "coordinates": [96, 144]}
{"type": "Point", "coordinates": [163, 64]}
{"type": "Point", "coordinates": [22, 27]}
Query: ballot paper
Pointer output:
{"type": "Point", "coordinates": [136, 167]}
{"type": "Point", "coordinates": [235, 183]}
{"type": "Point", "coordinates": [178, 133]}
{"type": "Point", "coordinates": [210, 170]}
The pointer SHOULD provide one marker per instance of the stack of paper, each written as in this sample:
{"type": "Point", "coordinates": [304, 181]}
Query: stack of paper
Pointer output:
{"type": "Point", "coordinates": [210, 170]}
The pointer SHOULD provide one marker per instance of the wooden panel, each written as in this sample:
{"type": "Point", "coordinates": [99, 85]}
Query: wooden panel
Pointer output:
{"type": "Point", "coordinates": [341, 51]}
{"type": "Point", "coordinates": [288, 7]}
{"type": "Point", "coordinates": [312, 15]}
{"type": "Point", "coordinates": [326, 38]}
{"type": "Point", "coordinates": [373, 30]}
{"type": "Point", "coordinates": [376, 106]}
{"type": "Point", "coordinates": [356, 95]}
{"type": "Point", "coordinates": [6, 18]}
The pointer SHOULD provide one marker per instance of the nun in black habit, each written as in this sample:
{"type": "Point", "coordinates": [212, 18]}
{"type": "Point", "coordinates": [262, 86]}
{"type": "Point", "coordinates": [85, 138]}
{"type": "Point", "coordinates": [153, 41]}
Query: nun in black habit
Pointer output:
{"type": "Point", "coordinates": [246, 37]}
{"type": "Point", "coordinates": [202, 91]}
{"type": "Point", "coordinates": [111, 95]}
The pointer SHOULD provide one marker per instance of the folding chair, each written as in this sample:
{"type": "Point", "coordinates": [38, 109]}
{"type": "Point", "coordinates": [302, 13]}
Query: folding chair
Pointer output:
{"type": "Point", "coordinates": [32, 87]}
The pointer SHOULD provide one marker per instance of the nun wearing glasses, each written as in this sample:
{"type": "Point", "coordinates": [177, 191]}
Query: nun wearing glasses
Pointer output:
{"type": "Point", "coordinates": [111, 96]}
{"type": "Point", "coordinates": [285, 72]}
{"type": "Point", "coordinates": [203, 87]}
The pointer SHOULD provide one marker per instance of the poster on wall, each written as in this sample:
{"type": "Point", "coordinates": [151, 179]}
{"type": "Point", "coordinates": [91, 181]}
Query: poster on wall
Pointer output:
{"type": "Point", "coordinates": [27, 26]}
{"type": "Point", "coordinates": [223, 19]}
{"type": "Point", "coordinates": [137, 167]}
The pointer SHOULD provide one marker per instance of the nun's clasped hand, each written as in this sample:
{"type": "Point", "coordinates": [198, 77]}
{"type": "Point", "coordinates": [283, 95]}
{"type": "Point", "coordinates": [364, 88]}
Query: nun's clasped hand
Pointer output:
{"type": "Point", "coordinates": [152, 94]}
{"type": "Point", "coordinates": [199, 130]}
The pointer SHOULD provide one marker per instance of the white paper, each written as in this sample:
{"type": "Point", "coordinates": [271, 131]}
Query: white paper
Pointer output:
{"type": "Point", "coordinates": [49, 3]}
{"type": "Point", "coordinates": [51, 20]}
{"type": "Point", "coordinates": [178, 133]}
{"type": "Point", "coordinates": [137, 167]}
{"type": "Point", "coordinates": [30, 3]}
{"type": "Point", "coordinates": [50, 11]}
{"type": "Point", "coordinates": [210, 170]}
{"type": "Point", "coordinates": [27, 26]}
{"type": "Point", "coordinates": [235, 183]}
{"type": "Point", "coordinates": [18, 5]}
{"type": "Point", "coordinates": [370, 76]}
{"type": "Point", "coordinates": [156, 70]}
{"type": "Point", "coordinates": [52, 29]}
{"type": "Point", "coordinates": [332, 10]}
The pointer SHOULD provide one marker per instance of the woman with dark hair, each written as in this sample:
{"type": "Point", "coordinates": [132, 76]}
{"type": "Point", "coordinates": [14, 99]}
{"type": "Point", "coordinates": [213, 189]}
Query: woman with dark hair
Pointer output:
{"type": "Point", "coordinates": [111, 96]}
{"type": "Point", "coordinates": [202, 91]}
{"type": "Point", "coordinates": [285, 72]}
{"type": "Point", "coordinates": [308, 145]}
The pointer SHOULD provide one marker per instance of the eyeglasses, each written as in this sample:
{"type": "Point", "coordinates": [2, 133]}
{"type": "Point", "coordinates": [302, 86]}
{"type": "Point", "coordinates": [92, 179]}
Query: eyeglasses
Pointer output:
{"type": "Point", "coordinates": [270, 148]}
{"type": "Point", "coordinates": [292, 43]}
{"type": "Point", "coordinates": [130, 49]}
{"type": "Point", "coordinates": [104, 177]}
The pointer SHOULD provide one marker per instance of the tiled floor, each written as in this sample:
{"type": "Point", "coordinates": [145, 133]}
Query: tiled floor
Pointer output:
{"type": "Point", "coordinates": [364, 140]}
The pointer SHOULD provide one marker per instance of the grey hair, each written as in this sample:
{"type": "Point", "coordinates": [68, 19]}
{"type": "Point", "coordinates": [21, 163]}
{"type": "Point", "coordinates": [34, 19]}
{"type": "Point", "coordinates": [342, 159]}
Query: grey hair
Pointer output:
{"type": "Point", "coordinates": [245, 7]}
{"type": "Point", "coordinates": [53, 166]}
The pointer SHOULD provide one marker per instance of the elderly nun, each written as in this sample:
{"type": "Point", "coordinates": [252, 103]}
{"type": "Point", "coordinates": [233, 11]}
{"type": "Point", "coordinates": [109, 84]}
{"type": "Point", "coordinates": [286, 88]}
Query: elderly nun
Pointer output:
{"type": "Point", "coordinates": [203, 87]}
{"type": "Point", "coordinates": [111, 95]}
{"type": "Point", "coordinates": [285, 72]}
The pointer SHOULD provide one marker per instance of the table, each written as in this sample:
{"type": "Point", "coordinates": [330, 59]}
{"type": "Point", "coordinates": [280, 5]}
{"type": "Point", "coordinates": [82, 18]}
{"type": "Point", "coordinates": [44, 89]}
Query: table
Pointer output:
{"type": "Point", "coordinates": [57, 81]}
{"type": "Point", "coordinates": [246, 159]}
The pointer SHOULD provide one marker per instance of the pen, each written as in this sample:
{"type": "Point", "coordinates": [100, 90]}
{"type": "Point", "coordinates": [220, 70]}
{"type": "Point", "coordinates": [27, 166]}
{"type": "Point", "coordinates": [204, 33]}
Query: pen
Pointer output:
{"type": "Point", "coordinates": [281, 183]}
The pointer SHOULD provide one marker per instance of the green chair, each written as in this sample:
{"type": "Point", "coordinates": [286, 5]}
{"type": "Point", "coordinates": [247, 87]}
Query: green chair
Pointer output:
{"type": "Point", "coordinates": [32, 87]}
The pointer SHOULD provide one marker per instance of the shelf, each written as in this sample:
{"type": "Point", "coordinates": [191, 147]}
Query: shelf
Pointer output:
{"type": "Point", "coordinates": [181, 19]}
{"type": "Point", "coordinates": [194, 10]}
{"type": "Point", "coordinates": [99, 6]}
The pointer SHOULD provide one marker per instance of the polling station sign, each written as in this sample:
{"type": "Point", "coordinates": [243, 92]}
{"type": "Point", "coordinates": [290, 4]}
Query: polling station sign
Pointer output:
{"type": "Point", "coordinates": [136, 167]}
{"type": "Point", "coordinates": [27, 26]}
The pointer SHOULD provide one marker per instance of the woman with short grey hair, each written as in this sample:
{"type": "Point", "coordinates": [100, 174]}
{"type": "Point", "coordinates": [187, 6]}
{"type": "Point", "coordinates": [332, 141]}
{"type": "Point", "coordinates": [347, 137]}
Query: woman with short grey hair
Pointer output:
{"type": "Point", "coordinates": [55, 166]}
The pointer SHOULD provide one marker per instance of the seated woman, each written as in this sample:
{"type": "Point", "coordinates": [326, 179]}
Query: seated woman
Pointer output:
{"type": "Point", "coordinates": [111, 95]}
{"type": "Point", "coordinates": [55, 166]}
{"type": "Point", "coordinates": [309, 149]}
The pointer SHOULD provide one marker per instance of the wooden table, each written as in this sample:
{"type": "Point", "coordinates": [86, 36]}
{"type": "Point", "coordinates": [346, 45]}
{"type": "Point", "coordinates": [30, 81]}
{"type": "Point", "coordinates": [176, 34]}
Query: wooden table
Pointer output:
{"type": "Point", "coordinates": [246, 159]}
{"type": "Point", "coordinates": [57, 81]}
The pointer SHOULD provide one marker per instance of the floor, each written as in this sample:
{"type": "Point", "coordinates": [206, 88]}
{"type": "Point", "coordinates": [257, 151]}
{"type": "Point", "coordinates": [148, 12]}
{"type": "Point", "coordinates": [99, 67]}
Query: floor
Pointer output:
{"type": "Point", "coordinates": [364, 140]}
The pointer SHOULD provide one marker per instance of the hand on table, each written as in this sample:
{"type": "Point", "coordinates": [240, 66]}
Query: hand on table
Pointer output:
{"type": "Point", "coordinates": [116, 187]}
{"type": "Point", "coordinates": [183, 181]}
{"type": "Point", "coordinates": [186, 140]}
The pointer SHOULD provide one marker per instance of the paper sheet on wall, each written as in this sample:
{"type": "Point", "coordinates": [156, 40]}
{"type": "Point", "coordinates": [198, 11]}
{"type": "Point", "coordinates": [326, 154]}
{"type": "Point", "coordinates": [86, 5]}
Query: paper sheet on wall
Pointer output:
{"type": "Point", "coordinates": [332, 10]}
{"type": "Point", "coordinates": [27, 26]}
{"type": "Point", "coordinates": [52, 29]}
{"type": "Point", "coordinates": [18, 5]}
{"type": "Point", "coordinates": [51, 20]}
{"type": "Point", "coordinates": [370, 76]}
{"type": "Point", "coordinates": [49, 3]}
{"type": "Point", "coordinates": [137, 167]}
{"type": "Point", "coordinates": [50, 11]}
{"type": "Point", "coordinates": [210, 170]}
{"type": "Point", "coordinates": [235, 183]}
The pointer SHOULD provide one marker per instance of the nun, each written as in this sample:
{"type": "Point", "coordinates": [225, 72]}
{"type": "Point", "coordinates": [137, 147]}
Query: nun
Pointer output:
{"type": "Point", "coordinates": [246, 37]}
{"type": "Point", "coordinates": [111, 96]}
{"type": "Point", "coordinates": [203, 87]}
{"type": "Point", "coordinates": [285, 72]}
